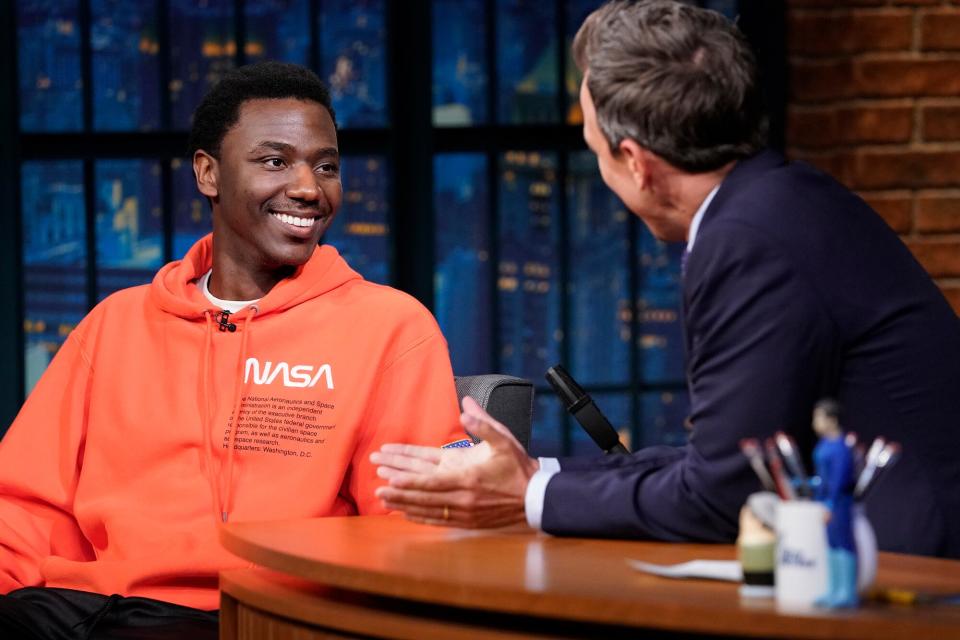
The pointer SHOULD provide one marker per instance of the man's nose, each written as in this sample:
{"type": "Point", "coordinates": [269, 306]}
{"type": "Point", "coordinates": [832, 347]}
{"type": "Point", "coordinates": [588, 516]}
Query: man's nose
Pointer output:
{"type": "Point", "coordinates": [303, 184]}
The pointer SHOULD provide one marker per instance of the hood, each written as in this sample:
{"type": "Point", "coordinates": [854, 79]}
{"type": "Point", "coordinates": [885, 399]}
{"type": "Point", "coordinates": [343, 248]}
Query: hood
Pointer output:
{"type": "Point", "coordinates": [173, 289]}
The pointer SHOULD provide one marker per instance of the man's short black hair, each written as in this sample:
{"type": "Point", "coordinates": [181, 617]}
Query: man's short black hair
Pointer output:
{"type": "Point", "coordinates": [220, 109]}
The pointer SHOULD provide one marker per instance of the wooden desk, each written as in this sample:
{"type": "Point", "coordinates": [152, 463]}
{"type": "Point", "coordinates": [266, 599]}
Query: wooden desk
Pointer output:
{"type": "Point", "coordinates": [382, 576]}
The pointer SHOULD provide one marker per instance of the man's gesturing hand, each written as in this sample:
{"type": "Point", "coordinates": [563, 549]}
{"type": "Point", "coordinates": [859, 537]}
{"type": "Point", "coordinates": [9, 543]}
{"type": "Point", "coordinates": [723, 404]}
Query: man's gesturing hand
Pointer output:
{"type": "Point", "coordinates": [476, 487]}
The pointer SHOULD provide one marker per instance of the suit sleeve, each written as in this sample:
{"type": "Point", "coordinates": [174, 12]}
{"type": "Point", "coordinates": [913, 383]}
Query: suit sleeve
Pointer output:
{"type": "Point", "coordinates": [415, 402]}
{"type": "Point", "coordinates": [40, 460]}
{"type": "Point", "coordinates": [761, 350]}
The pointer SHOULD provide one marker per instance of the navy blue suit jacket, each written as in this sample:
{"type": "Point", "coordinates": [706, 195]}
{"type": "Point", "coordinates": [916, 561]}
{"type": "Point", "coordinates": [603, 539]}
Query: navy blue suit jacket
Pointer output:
{"type": "Point", "coordinates": [794, 290]}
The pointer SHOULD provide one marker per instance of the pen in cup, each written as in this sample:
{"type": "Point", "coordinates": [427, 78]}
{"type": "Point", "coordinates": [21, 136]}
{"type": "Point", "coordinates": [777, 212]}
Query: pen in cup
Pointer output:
{"type": "Point", "coordinates": [751, 449]}
{"type": "Point", "coordinates": [775, 473]}
{"type": "Point", "coordinates": [869, 467]}
{"type": "Point", "coordinates": [784, 486]}
{"type": "Point", "coordinates": [888, 455]}
{"type": "Point", "coordinates": [788, 449]}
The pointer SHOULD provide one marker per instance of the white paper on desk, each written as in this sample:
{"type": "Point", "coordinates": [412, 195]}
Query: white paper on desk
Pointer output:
{"type": "Point", "coordinates": [727, 570]}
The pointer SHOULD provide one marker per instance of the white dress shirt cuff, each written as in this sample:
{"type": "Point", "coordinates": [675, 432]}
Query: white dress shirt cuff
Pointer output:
{"type": "Point", "coordinates": [537, 490]}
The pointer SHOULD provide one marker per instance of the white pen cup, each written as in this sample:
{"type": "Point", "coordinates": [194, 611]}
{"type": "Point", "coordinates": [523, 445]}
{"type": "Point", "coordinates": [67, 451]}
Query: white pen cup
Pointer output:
{"type": "Point", "coordinates": [866, 541]}
{"type": "Point", "coordinates": [801, 557]}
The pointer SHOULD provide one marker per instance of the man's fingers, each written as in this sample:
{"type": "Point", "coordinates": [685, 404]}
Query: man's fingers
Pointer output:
{"type": "Point", "coordinates": [488, 430]}
{"type": "Point", "coordinates": [432, 516]}
{"type": "Point", "coordinates": [456, 500]}
{"type": "Point", "coordinates": [434, 512]}
{"type": "Point", "coordinates": [397, 498]}
{"type": "Point", "coordinates": [403, 462]}
{"type": "Point", "coordinates": [472, 409]}
{"type": "Point", "coordinates": [455, 517]}
{"type": "Point", "coordinates": [453, 512]}
{"type": "Point", "coordinates": [388, 473]}
{"type": "Point", "coordinates": [415, 481]}
{"type": "Point", "coordinates": [394, 476]}
{"type": "Point", "coordinates": [482, 425]}
{"type": "Point", "coordinates": [431, 454]}
{"type": "Point", "coordinates": [436, 522]}
{"type": "Point", "coordinates": [422, 482]}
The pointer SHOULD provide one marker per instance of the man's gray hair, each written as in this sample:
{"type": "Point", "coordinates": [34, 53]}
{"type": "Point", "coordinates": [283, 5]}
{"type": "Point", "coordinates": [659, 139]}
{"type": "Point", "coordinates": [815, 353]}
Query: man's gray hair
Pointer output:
{"type": "Point", "coordinates": [679, 80]}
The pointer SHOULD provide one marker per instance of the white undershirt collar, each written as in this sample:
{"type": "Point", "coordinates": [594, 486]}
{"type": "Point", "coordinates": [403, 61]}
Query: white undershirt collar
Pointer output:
{"type": "Point", "coordinates": [698, 217]}
{"type": "Point", "coordinates": [227, 305]}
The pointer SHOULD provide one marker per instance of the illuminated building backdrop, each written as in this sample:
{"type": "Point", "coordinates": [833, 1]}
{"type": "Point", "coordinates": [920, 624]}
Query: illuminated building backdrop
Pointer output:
{"type": "Point", "coordinates": [534, 261]}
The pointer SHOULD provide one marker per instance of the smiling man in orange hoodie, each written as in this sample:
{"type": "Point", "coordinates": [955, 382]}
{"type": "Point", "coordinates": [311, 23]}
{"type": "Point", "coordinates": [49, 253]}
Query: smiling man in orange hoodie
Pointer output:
{"type": "Point", "coordinates": [250, 381]}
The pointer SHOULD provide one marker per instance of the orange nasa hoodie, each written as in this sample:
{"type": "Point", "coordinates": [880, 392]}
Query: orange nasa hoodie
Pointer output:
{"type": "Point", "coordinates": [118, 471]}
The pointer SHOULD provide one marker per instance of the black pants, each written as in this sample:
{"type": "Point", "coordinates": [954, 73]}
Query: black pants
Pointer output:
{"type": "Point", "coordinates": [65, 614]}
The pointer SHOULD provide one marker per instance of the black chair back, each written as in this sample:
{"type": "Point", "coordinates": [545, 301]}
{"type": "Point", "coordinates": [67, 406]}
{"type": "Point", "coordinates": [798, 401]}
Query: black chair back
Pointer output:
{"type": "Point", "coordinates": [509, 400]}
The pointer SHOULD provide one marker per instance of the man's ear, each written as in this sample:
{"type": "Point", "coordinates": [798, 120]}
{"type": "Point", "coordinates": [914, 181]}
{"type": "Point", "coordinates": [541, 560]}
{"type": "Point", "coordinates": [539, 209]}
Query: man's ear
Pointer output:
{"type": "Point", "coordinates": [206, 168]}
{"type": "Point", "coordinates": [639, 162]}
{"type": "Point", "coordinates": [647, 168]}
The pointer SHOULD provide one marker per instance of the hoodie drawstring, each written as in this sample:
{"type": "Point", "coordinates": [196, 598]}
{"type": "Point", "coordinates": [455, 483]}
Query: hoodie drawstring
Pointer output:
{"type": "Point", "coordinates": [227, 493]}
{"type": "Point", "coordinates": [207, 428]}
{"type": "Point", "coordinates": [222, 484]}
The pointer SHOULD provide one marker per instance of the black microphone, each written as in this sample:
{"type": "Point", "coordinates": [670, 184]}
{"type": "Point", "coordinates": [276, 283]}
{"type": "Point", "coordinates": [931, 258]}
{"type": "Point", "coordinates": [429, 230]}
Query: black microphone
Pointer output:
{"type": "Point", "coordinates": [223, 318]}
{"type": "Point", "coordinates": [581, 406]}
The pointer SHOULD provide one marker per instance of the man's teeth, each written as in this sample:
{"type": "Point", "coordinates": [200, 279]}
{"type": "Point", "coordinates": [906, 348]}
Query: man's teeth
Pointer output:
{"type": "Point", "coordinates": [294, 220]}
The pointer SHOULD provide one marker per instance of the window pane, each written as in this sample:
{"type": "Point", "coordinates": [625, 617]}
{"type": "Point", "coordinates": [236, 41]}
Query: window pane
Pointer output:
{"type": "Point", "coordinates": [126, 84]}
{"type": "Point", "coordinates": [526, 61]}
{"type": "Point", "coordinates": [577, 11]}
{"type": "Point", "coordinates": [617, 408]}
{"type": "Point", "coordinates": [599, 287]}
{"type": "Point", "coordinates": [278, 30]}
{"type": "Point", "coordinates": [191, 211]}
{"type": "Point", "coordinates": [361, 231]}
{"type": "Point", "coordinates": [546, 437]}
{"type": "Point", "coordinates": [528, 279]}
{"type": "Point", "coordinates": [459, 63]}
{"type": "Point", "coordinates": [353, 41]}
{"type": "Point", "coordinates": [658, 308]}
{"type": "Point", "coordinates": [54, 259]}
{"type": "Point", "coordinates": [662, 415]}
{"type": "Point", "coordinates": [129, 224]}
{"type": "Point", "coordinates": [48, 54]}
{"type": "Point", "coordinates": [463, 277]}
{"type": "Point", "coordinates": [202, 47]}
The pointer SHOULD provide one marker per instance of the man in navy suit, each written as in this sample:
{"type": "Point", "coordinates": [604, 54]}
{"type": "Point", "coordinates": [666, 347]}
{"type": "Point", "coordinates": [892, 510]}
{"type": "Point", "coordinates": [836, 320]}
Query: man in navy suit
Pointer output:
{"type": "Point", "coordinates": [793, 290]}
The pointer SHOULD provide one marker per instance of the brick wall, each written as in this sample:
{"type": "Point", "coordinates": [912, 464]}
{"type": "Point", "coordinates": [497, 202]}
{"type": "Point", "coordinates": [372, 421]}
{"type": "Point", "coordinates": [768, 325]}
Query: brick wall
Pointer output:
{"type": "Point", "coordinates": [875, 101]}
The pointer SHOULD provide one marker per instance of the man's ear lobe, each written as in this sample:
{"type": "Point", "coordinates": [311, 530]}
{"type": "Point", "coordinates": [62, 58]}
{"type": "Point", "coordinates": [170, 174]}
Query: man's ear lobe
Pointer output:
{"type": "Point", "coordinates": [206, 169]}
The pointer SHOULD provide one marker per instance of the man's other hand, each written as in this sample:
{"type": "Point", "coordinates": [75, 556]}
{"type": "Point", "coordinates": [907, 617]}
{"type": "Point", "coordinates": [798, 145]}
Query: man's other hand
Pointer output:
{"type": "Point", "coordinates": [475, 487]}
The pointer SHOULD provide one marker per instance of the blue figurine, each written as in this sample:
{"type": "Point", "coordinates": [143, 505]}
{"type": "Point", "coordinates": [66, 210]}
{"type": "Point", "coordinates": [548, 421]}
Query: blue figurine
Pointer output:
{"type": "Point", "coordinates": [835, 467]}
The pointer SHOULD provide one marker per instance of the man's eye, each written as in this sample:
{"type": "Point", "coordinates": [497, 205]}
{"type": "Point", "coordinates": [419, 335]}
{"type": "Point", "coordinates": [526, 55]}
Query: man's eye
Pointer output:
{"type": "Point", "coordinates": [328, 167]}
{"type": "Point", "coordinates": [274, 163]}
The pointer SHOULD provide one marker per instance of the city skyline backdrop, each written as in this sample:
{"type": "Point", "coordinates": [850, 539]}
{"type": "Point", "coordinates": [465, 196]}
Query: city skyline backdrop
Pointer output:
{"type": "Point", "coordinates": [536, 262]}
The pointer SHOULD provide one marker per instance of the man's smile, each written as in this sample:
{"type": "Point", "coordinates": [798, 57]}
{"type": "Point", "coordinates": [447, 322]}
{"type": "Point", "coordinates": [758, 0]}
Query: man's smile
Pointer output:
{"type": "Point", "coordinates": [298, 220]}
